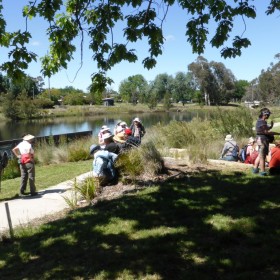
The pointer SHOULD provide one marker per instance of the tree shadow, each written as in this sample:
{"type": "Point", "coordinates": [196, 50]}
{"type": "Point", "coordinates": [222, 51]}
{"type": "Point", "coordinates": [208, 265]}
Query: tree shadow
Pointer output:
{"type": "Point", "coordinates": [204, 226]}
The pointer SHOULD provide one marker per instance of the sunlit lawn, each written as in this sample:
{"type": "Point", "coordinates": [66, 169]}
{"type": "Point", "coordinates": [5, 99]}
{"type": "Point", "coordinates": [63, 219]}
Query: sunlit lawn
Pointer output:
{"type": "Point", "coordinates": [205, 226]}
{"type": "Point", "coordinates": [46, 176]}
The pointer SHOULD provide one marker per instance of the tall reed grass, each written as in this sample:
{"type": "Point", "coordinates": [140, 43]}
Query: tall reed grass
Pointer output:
{"type": "Point", "coordinates": [202, 139]}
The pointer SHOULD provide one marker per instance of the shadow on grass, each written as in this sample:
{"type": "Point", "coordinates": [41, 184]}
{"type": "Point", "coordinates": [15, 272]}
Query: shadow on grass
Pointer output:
{"type": "Point", "coordinates": [205, 226]}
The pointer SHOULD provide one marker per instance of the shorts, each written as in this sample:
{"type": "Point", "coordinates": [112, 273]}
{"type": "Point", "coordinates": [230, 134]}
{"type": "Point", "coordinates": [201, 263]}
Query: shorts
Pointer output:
{"type": "Point", "coordinates": [263, 144]}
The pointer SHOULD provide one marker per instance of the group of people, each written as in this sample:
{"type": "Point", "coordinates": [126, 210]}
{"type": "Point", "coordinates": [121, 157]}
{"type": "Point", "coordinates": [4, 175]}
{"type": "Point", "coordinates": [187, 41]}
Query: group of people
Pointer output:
{"type": "Point", "coordinates": [260, 151]}
{"type": "Point", "coordinates": [110, 145]}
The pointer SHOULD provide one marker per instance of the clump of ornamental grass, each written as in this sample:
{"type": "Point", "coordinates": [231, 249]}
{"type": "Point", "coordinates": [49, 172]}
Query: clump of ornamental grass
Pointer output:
{"type": "Point", "coordinates": [85, 190]}
{"type": "Point", "coordinates": [79, 149]}
{"type": "Point", "coordinates": [144, 161]}
{"type": "Point", "coordinates": [44, 153]}
{"type": "Point", "coordinates": [193, 140]}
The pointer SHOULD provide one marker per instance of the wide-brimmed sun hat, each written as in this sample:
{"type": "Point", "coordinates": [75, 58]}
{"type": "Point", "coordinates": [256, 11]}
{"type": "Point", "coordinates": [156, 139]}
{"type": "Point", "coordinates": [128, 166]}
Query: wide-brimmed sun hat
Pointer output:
{"type": "Point", "coordinates": [105, 128]}
{"type": "Point", "coordinates": [137, 120]}
{"type": "Point", "coordinates": [119, 138]}
{"type": "Point", "coordinates": [123, 124]}
{"type": "Point", "coordinates": [228, 137]}
{"type": "Point", "coordinates": [28, 137]}
{"type": "Point", "coordinates": [107, 135]}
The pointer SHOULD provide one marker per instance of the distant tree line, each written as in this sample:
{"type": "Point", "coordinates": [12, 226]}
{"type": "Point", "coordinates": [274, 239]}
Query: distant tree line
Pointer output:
{"type": "Point", "coordinates": [208, 83]}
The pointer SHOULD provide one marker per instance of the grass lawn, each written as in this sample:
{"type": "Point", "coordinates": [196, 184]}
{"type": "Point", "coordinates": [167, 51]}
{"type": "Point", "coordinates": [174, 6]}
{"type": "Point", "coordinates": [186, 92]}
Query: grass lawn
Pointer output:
{"type": "Point", "coordinates": [46, 176]}
{"type": "Point", "coordinates": [209, 225]}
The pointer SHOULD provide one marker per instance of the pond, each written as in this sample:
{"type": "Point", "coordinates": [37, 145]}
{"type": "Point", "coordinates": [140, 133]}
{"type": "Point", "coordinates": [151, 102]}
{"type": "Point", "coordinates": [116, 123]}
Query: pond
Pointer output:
{"type": "Point", "coordinates": [52, 126]}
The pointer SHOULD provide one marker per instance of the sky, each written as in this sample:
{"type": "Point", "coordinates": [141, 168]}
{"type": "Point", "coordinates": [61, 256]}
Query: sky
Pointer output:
{"type": "Point", "coordinates": [177, 52]}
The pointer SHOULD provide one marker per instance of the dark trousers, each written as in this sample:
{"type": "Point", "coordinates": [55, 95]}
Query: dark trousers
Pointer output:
{"type": "Point", "coordinates": [27, 171]}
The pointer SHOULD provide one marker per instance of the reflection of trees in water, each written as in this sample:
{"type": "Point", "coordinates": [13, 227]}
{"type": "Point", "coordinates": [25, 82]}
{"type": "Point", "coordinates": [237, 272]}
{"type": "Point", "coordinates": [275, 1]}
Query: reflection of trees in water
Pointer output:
{"type": "Point", "coordinates": [53, 126]}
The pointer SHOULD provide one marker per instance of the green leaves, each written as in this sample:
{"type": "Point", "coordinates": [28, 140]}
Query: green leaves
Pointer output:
{"type": "Point", "coordinates": [98, 21]}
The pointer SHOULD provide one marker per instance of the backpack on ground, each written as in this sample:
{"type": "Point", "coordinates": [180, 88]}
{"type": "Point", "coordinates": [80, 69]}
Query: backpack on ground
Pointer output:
{"type": "Point", "coordinates": [243, 153]}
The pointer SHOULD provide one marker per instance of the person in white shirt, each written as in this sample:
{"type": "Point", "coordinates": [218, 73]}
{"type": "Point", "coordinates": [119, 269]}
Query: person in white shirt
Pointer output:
{"type": "Point", "coordinates": [25, 154]}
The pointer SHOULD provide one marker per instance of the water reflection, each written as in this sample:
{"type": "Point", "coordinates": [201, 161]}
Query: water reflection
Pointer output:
{"type": "Point", "coordinates": [52, 126]}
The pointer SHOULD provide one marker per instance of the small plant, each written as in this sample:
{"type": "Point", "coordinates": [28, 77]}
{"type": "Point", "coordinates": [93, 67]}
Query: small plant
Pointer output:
{"type": "Point", "coordinates": [83, 191]}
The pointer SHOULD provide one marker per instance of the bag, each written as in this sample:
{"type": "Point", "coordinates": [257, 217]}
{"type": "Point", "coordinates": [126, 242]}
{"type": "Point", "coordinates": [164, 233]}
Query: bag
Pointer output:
{"type": "Point", "coordinates": [243, 153]}
{"type": "Point", "coordinates": [235, 151]}
{"type": "Point", "coordinates": [270, 138]}
{"type": "Point", "coordinates": [25, 158]}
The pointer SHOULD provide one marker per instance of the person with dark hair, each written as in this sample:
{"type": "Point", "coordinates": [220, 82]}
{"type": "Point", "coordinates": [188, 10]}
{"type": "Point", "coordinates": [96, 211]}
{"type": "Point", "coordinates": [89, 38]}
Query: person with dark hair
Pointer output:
{"type": "Point", "coordinates": [25, 154]}
{"type": "Point", "coordinates": [263, 137]}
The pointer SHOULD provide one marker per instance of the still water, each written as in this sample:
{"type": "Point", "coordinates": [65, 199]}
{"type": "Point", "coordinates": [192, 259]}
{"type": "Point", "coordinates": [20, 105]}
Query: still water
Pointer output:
{"type": "Point", "coordinates": [53, 126]}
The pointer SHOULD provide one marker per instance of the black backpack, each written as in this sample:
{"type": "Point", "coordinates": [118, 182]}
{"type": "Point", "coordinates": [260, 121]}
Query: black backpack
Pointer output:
{"type": "Point", "coordinates": [243, 155]}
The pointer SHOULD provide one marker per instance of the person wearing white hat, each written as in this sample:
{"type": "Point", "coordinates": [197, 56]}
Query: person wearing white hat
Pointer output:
{"type": "Point", "coordinates": [138, 129]}
{"type": "Point", "coordinates": [230, 149]}
{"type": "Point", "coordinates": [251, 151]}
{"type": "Point", "coordinates": [104, 129]}
{"type": "Point", "coordinates": [25, 154]}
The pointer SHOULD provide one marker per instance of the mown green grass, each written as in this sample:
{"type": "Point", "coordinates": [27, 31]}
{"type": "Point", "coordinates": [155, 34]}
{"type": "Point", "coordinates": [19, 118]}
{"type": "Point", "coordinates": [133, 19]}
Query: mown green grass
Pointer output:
{"type": "Point", "coordinates": [207, 225]}
{"type": "Point", "coordinates": [46, 176]}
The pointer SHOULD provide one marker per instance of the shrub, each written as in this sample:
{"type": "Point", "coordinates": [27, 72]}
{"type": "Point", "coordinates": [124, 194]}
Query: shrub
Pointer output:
{"type": "Point", "coordinates": [79, 149]}
{"type": "Point", "coordinates": [237, 122]}
{"type": "Point", "coordinates": [144, 160]}
{"type": "Point", "coordinates": [12, 170]}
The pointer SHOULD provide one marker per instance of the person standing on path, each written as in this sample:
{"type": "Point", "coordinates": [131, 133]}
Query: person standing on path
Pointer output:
{"type": "Point", "coordinates": [263, 138]}
{"type": "Point", "coordinates": [25, 153]}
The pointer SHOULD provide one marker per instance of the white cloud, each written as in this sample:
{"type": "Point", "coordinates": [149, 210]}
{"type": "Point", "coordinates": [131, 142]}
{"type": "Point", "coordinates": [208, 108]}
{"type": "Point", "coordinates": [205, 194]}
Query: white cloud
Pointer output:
{"type": "Point", "coordinates": [35, 43]}
{"type": "Point", "coordinates": [169, 38]}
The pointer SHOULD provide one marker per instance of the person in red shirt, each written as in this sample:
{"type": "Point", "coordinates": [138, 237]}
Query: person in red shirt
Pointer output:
{"type": "Point", "coordinates": [274, 159]}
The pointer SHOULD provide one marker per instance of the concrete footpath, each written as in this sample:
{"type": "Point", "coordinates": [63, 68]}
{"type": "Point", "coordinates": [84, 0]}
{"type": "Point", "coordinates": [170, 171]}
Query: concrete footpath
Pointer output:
{"type": "Point", "coordinates": [49, 201]}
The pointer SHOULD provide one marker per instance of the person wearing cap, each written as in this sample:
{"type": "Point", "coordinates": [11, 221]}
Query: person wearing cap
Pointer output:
{"type": "Point", "coordinates": [104, 129]}
{"type": "Point", "coordinates": [263, 137]}
{"type": "Point", "coordinates": [230, 149]}
{"type": "Point", "coordinates": [138, 129]}
{"type": "Point", "coordinates": [131, 141]}
{"type": "Point", "coordinates": [251, 151]}
{"type": "Point", "coordinates": [103, 165]}
{"type": "Point", "coordinates": [25, 154]}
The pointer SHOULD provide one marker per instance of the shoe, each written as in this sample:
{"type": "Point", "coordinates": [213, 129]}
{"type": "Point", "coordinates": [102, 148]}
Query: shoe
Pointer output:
{"type": "Point", "coordinates": [22, 193]}
{"type": "Point", "coordinates": [34, 193]}
{"type": "Point", "coordinates": [263, 173]}
{"type": "Point", "coordinates": [255, 170]}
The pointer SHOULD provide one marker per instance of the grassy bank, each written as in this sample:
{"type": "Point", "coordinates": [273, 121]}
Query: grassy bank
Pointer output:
{"type": "Point", "coordinates": [207, 225]}
{"type": "Point", "coordinates": [46, 176]}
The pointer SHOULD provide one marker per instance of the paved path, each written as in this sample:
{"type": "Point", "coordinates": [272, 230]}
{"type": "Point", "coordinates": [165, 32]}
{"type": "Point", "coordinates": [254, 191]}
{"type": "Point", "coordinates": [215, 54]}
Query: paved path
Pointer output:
{"type": "Point", "coordinates": [49, 201]}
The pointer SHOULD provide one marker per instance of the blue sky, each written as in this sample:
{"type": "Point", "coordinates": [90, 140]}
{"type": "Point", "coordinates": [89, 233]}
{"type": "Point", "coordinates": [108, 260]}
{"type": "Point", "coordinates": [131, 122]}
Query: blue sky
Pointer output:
{"type": "Point", "coordinates": [177, 53]}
